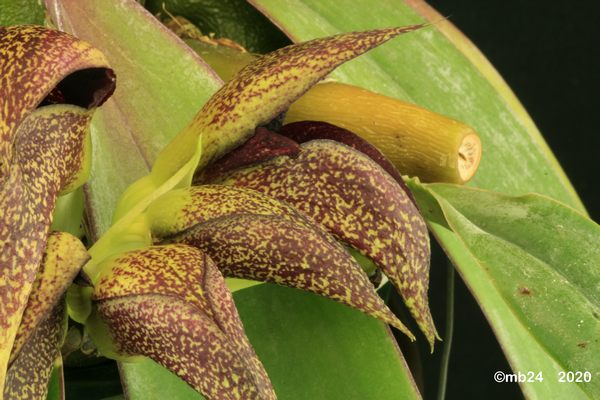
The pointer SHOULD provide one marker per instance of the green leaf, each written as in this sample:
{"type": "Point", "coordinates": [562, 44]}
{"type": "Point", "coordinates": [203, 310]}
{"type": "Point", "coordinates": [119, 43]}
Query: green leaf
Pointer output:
{"type": "Point", "coordinates": [229, 19]}
{"type": "Point", "coordinates": [68, 213]}
{"type": "Point", "coordinates": [21, 12]}
{"type": "Point", "coordinates": [531, 262]}
{"type": "Point", "coordinates": [56, 385]}
{"type": "Point", "coordinates": [147, 379]}
{"type": "Point", "coordinates": [338, 353]}
{"type": "Point", "coordinates": [440, 69]}
{"type": "Point", "coordinates": [442, 72]}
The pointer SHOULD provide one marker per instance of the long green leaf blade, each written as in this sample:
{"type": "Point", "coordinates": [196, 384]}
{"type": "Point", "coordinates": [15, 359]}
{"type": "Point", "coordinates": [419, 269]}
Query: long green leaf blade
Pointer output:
{"type": "Point", "coordinates": [430, 70]}
{"type": "Point", "coordinates": [531, 263]}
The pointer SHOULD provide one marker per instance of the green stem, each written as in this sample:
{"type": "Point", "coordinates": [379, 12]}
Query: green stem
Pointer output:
{"type": "Point", "coordinates": [447, 333]}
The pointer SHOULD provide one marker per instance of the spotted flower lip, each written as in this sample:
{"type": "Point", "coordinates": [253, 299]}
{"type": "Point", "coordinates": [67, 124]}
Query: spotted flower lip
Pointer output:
{"type": "Point", "coordinates": [63, 258]}
{"type": "Point", "coordinates": [49, 148]}
{"type": "Point", "coordinates": [52, 60]}
{"type": "Point", "coordinates": [28, 375]}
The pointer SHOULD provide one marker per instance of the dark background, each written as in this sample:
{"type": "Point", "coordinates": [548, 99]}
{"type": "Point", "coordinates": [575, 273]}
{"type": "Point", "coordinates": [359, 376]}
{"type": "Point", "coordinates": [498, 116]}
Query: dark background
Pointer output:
{"type": "Point", "coordinates": [549, 54]}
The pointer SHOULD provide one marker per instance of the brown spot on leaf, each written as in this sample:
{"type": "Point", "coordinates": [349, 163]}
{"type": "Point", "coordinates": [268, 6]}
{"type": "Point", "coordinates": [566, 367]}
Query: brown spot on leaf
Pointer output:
{"type": "Point", "coordinates": [524, 290]}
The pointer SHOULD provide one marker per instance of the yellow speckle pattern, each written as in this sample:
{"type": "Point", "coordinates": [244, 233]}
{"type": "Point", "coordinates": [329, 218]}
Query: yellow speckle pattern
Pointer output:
{"type": "Point", "coordinates": [41, 152]}
{"type": "Point", "coordinates": [29, 373]}
{"type": "Point", "coordinates": [170, 303]}
{"type": "Point", "coordinates": [48, 152]}
{"type": "Point", "coordinates": [62, 260]}
{"type": "Point", "coordinates": [256, 95]}
{"type": "Point", "coordinates": [262, 90]}
{"type": "Point", "coordinates": [289, 250]}
{"type": "Point", "coordinates": [33, 60]}
{"type": "Point", "coordinates": [360, 204]}
{"type": "Point", "coordinates": [320, 265]}
{"type": "Point", "coordinates": [182, 209]}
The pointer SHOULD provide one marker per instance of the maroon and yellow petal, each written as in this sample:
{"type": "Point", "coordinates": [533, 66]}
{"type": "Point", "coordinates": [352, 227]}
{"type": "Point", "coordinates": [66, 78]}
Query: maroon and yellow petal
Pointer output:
{"type": "Point", "coordinates": [271, 248]}
{"type": "Point", "coordinates": [262, 90]}
{"type": "Point", "coordinates": [219, 220]}
{"type": "Point", "coordinates": [262, 146]}
{"type": "Point", "coordinates": [171, 303]}
{"type": "Point", "coordinates": [29, 373]}
{"type": "Point", "coordinates": [44, 150]}
{"type": "Point", "coordinates": [360, 204]}
{"type": "Point", "coordinates": [255, 96]}
{"type": "Point", "coordinates": [305, 131]}
{"type": "Point", "coordinates": [182, 209]}
{"type": "Point", "coordinates": [62, 260]}
{"type": "Point", "coordinates": [49, 153]}
{"type": "Point", "coordinates": [33, 61]}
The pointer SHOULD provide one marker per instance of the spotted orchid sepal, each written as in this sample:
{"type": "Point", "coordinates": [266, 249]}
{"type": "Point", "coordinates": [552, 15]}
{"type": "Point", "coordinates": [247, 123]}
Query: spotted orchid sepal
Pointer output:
{"type": "Point", "coordinates": [51, 84]}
